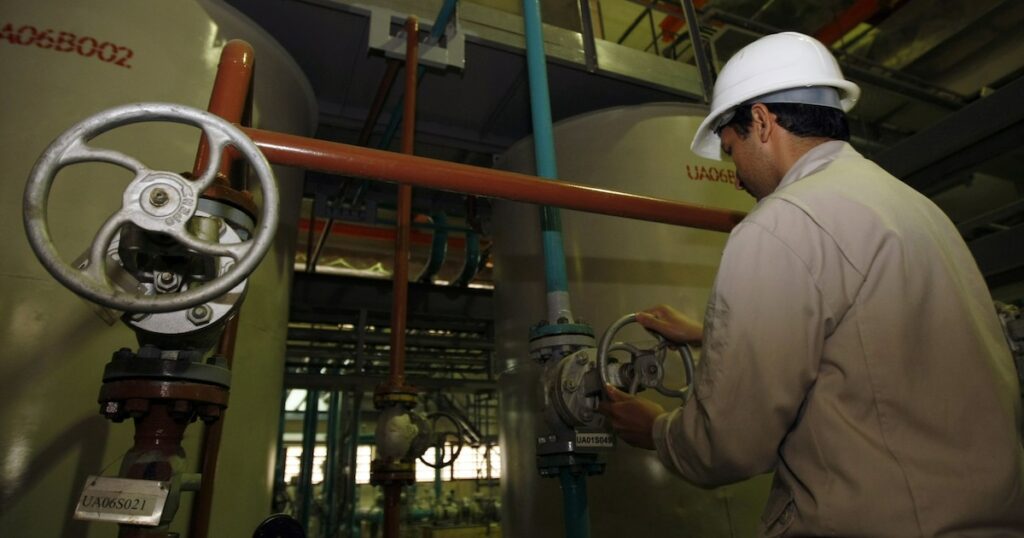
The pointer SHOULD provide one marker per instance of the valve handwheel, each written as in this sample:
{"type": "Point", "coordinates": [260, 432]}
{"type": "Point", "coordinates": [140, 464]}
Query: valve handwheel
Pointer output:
{"type": "Point", "coordinates": [156, 201]}
{"type": "Point", "coordinates": [658, 352]}
{"type": "Point", "coordinates": [441, 439]}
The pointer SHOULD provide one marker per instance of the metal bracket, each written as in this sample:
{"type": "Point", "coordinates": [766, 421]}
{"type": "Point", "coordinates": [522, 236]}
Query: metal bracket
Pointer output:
{"type": "Point", "coordinates": [450, 51]}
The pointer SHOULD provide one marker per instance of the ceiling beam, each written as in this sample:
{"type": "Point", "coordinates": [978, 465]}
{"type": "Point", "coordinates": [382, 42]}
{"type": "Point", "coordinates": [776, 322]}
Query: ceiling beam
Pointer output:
{"type": "Point", "coordinates": [941, 155]}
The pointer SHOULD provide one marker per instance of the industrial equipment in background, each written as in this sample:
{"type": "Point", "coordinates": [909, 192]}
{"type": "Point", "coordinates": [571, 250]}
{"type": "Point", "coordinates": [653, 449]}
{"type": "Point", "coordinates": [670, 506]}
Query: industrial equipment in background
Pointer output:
{"type": "Point", "coordinates": [1013, 327]}
{"type": "Point", "coordinates": [174, 261]}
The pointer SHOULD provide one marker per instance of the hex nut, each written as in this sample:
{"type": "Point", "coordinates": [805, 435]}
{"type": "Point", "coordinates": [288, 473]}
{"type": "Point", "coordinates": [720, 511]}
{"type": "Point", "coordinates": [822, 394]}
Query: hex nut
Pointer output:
{"type": "Point", "coordinates": [136, 407]}
{"type": "Point", "coordinates": [199, 315]}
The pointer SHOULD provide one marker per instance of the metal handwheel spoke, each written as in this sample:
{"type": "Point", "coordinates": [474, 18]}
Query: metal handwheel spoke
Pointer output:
{"type": "Point", "coordinates": [80, 152]}
{"type": "Point", "coordinates": [235, 251]}
{"type": "Point", "coordinates": [95, 267]}
{"type": "Point", "coordinates": [217, 141]}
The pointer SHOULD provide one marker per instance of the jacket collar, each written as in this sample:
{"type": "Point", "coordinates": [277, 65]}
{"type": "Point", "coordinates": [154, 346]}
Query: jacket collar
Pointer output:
{"type": "Point", "coordinates": [814, 160]}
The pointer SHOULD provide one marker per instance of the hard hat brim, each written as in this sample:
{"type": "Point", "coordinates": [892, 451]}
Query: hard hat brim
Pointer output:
{"type": "Point", "coordinates": [707, 144]}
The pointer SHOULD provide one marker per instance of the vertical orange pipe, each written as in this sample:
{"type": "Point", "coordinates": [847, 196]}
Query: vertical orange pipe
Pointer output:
{"type": "Point", "coordinates": [228, 100]}
{"type": "Point", "coordinates": [393, 492]}
{"type": "Point", "coordinates": [401, 271]}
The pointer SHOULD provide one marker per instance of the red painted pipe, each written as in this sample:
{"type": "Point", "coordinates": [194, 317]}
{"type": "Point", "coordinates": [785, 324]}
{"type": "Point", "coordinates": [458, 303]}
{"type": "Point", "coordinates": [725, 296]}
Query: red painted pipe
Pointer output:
{"type": "Point", "coordinates": [400, 295]}
{"type": "Point", "coordinates": [228, 100]}
{"type": "Point", "coordinates": [345, 159]}
{"type": "Point", "coordinates": [399, 304]}
{"type": "Point", "coordinates": [228, 97]}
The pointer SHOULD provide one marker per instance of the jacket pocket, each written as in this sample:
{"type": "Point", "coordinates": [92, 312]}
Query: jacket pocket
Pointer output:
{"type": "Point", "coordinates": [779, 513]}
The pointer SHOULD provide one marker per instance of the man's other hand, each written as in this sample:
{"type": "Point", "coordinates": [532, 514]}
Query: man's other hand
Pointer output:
{"type": "Point", "coordinates": [672, 324]}
{"type": "Point", "coordinates": [632, 418]}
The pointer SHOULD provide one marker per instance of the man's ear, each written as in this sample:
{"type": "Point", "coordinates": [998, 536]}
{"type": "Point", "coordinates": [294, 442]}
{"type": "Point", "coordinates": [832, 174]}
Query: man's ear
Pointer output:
{"type": "Point", "coordinates": [763, 124]}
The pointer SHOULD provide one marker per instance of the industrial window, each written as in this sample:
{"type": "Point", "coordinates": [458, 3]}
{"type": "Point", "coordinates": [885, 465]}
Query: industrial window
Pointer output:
{"type": "Point", "coordinates": [473, 463]}
{"type": "Point", "coordinates": [293, 462]}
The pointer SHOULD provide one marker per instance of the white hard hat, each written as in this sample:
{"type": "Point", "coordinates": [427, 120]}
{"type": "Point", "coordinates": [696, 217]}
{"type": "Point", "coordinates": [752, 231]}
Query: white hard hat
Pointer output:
{"type": "Point", "coordinates": [772, 65]}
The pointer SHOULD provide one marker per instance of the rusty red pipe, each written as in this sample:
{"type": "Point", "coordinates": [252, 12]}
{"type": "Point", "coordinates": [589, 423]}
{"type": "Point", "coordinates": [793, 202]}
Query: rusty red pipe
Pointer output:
{"type": "Point", "coordinates": [401, 266]}
{"type": "Point", "coordinates": [345, 159]}
{"type": "Point", "coordinates": [399, 304]}
{"type": "Point", "coordinates": [228, 97]}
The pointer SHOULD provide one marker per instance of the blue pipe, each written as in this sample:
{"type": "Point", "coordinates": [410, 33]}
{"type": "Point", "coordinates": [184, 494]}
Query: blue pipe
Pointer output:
{"type": "Point", "coordinates": [544, 150]}
{"type": "Point", "coordinates": [438, 248]}
{"type": "Point", "coordinates": [574, 501]}
{"type": "Point", "coordinates": [472, 265]}
{"type": "Point", "coordinates": [309, 427]}
{"type": "Point", "coordinates": [331, 465]}
{"type": "Point", "coordinates": [574, 485]}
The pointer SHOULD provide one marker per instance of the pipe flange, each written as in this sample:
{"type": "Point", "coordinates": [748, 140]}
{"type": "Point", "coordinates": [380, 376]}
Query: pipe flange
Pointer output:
{"type": "Point", "coordinates": [390, 472]}
{"type": "Point", "coordinates": [391, 395]}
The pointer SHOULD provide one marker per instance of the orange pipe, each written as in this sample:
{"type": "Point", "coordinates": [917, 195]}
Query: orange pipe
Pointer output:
{"type": "Point", "coordinates": [399, 304]}
{"type": "Point", "coordinates": [401, 266]}
{"type": "Point", "coordinates": [345, 159]}
{"type": "Point", "coordinates": [228, 97]}
{"type": "Point", "coordinates": [228, 100]}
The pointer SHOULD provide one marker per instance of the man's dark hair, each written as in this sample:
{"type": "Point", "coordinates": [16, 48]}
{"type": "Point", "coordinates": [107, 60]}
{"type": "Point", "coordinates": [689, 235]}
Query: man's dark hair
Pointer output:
{"type": "Point", "coordinates": [808, 121]}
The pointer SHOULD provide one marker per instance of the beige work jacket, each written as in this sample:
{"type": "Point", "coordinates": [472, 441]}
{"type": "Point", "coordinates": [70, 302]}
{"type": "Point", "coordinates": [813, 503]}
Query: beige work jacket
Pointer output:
{"type": "Point", "coordinates": [851, 346]}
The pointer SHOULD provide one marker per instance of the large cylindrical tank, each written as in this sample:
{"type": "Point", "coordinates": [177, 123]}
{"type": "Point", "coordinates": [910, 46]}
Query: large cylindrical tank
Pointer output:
{"type": "Point", "coordinates": [63, 60]}
{"type": "Point", "coordinates": [615, 266]}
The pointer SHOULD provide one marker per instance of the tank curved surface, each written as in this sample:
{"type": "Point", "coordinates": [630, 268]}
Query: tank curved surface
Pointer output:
{"type": "Point", "coordinates": [615, 266]}
{"type": "Point", "coordinates": [63, 60]}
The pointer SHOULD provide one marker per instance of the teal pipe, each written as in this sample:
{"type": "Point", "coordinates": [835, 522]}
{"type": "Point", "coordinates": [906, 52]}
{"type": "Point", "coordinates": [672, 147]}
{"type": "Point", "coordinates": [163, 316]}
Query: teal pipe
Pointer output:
{"type": "Point", "coordinates": [574, 502]}
{"type": "Point", "coordinates": [279, 485]}
{"type": "Point", "coordinates": [438, 248]}
{"type": "Point", "coordinates": [309, 427]}
{"type": "Point", "coordinates": [547, 166]}
{"type": "Point", "coordinates": [574, 485]}
{"type": "Point", "coordinates": [353, 492]}
{"type": "Point", "coordinates": [331, 465]}
{"type": "Point", "coordinates": [472, 265]}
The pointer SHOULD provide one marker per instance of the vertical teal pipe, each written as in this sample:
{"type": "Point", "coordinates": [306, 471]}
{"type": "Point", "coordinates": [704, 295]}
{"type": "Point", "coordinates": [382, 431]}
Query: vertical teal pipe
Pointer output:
{"type": "Point", "coordinates": [279, 485]}
{"type": "Point", "coordinates": [544, 149]}
{"type": "Point", "coordinates": [353, 458]}
{"type": "Point", "coordinates": [309, 427]}
{"type": "Point", "coordinates": [574, 500]}
{"type": "Point", "coordinates": [574, 486]}
{"type": "Point", "coordinates": [328, 520]}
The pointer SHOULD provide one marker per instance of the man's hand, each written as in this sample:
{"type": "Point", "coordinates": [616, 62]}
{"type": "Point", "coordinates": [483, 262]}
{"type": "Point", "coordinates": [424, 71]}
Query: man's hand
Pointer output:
{"type": "Point", "coordinates": [632, 418]}
{"type": "Point", "coordinates": [672, 324]}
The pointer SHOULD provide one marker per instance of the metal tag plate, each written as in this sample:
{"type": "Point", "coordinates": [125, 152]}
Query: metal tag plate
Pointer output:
{"type": "Point", "coordinates": [595, 440]}
{"type": "Point", "coordinates": [122, 500]}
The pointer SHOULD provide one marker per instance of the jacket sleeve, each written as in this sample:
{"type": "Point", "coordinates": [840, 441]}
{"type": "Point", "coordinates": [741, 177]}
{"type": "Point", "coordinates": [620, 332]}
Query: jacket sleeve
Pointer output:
{"type": "Point", "coordinates": [764, 331]}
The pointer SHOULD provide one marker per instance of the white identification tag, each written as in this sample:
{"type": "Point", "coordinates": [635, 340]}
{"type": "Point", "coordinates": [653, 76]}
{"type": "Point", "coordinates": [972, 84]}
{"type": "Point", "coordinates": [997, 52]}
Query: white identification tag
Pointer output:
{"type": "Point", "coordinates": [594, 440]}
{"type": "Point", "coordinates": [122, 500]}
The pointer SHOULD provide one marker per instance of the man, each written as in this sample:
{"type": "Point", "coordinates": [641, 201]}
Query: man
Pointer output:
{"type": "Point", "coordinates": [850, 344]}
